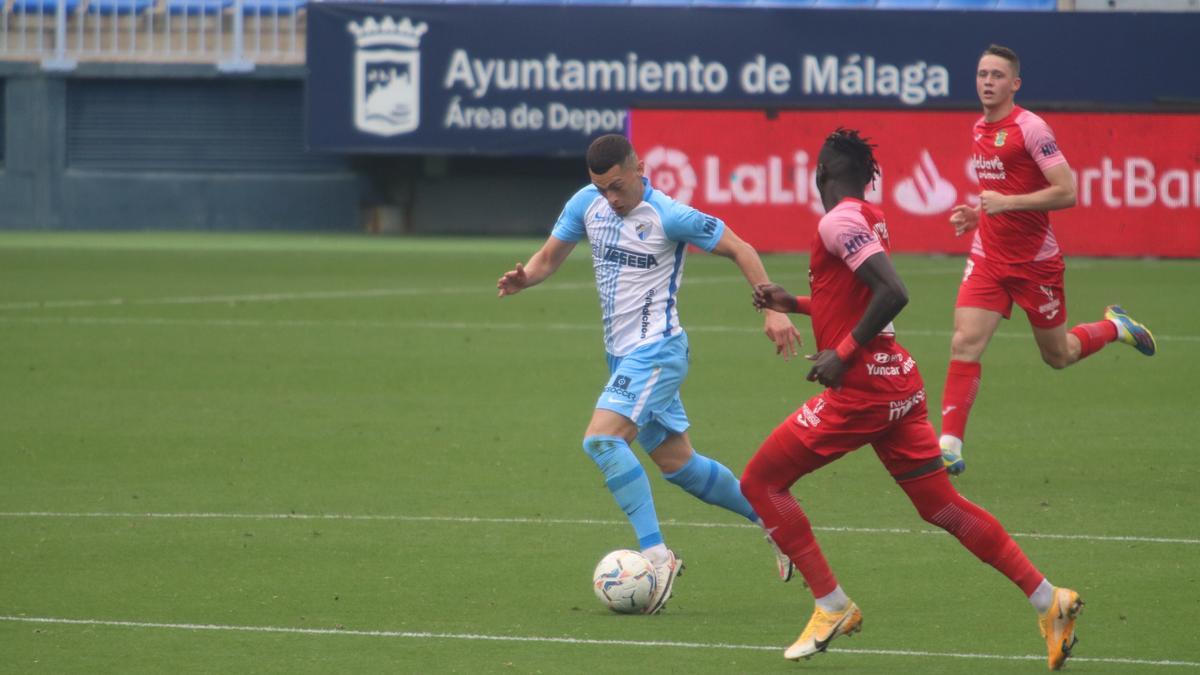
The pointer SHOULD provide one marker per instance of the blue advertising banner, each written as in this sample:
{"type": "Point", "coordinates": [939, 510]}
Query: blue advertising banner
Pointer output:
{"type": "Point", "coordinates": [543, 80]}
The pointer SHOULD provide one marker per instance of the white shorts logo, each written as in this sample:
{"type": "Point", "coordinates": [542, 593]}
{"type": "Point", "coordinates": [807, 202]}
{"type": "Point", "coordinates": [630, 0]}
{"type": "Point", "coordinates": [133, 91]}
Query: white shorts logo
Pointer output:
{"type": "Point", "coordinates": [387, 76]}
{"type": "Point", "coordinates": [669, 170]}
{"type": "Point", "coordinates": [809, 417]}
{"type": "Point", "coordinates": [898, 409]}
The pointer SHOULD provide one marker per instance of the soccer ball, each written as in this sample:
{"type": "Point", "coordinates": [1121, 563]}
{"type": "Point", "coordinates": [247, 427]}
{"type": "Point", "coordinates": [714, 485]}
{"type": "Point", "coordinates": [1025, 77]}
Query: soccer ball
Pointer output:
{"type": "Point", "coordinates": [624, 581]}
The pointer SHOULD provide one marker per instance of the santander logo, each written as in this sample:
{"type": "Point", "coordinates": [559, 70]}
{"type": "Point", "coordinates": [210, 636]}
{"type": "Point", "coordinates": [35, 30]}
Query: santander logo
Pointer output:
{"type": "Point", "coordinates": [925, 192]}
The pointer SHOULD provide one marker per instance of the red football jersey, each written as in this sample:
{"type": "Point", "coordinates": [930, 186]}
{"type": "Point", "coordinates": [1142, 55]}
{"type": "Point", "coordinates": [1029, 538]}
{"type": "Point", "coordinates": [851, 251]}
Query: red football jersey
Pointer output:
{"type": "Point", "coordinates": [1009, 157]}
{"type": "Point", "coordinates": [847, 235]}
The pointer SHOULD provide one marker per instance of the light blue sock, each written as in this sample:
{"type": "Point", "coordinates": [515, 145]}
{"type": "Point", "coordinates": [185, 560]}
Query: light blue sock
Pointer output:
{"type": "Point", "coordinates": [627, 481]}
{"type": "Point", "coordinates": [710, 481]}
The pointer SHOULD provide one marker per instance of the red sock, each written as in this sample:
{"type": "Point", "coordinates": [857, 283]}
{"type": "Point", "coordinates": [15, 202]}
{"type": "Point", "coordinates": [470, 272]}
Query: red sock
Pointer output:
{"type": "Point", "coordinates": [778, 464]}
{"type": "Point", "coordinates": [1093, 336]}
{"type": "Point", "coordinates": [962, 385]}
{"type": "Point", "coordinates": [940, 504]}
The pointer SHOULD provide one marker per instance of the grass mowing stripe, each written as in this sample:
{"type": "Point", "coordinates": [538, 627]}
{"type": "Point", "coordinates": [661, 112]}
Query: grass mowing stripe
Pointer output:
{"type": "Point", "coordinates": [563, 640]}
{"type": "Point", "coordinates": [549, 521]}
{"type": "Point", "coordinates": [439, 325]}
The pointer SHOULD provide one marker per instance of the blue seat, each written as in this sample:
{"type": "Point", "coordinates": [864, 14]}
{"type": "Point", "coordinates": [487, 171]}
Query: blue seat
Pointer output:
{"type": "Point", "coordinates": [785, 3]}
{"type": "Point", "coordinates": [723, 3]}
{"type": "Point", "coordinates": [660, 3]}
{"type": "Point", "coordinates": [198, 7]}
{"type": "Point", "coordinates": [966, 4]}
{"type": "Point", "coordinates": [845, 4]}
{"type": "Point", "coordinates": [272, 7]}
{"type": "Point", "coordinates": [1028, 5]}
{"type": "Point", "coordinates": [119, 7]}
{"type": "Point", "coordinates": [48, 7]}
{"type": "Point", "coordinates": [906, 4]}
{"type": "Point", "coordinates": [597, 2]}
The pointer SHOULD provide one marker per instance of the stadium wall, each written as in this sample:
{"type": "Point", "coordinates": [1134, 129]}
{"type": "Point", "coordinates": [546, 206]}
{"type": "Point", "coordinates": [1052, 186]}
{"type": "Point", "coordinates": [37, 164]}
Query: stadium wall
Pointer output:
{"type": "Point", "coordinates": [153, 146]}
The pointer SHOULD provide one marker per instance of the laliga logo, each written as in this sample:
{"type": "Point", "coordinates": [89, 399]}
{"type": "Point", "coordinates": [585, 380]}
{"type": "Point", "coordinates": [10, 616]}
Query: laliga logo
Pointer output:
{"type": "Point", "coordinates": [387, 76]}
{"type": "Point", "coordinates": [926, 193]}
{"type": "Point", "coordinates": [669, 170]}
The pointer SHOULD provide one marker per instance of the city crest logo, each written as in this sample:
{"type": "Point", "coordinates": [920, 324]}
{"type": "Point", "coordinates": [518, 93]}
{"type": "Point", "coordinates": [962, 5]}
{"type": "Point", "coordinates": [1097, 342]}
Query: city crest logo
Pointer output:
{"type": "Point", "coordinates": [1000, 138]}
{"type": "Point", "coordinates": [387, 75]}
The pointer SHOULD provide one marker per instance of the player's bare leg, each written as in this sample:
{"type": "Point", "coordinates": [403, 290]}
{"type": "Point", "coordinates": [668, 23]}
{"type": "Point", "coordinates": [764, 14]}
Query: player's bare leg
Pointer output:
{"type": "Point", "coordinates": [673, 453]}
{"type": "Point", "coordinates": [1058, 347]}
{"type": "Point", "coordinates": [973, 330]}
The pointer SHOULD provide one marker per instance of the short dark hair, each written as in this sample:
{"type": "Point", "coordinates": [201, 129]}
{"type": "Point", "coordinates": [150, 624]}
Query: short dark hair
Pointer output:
{"type": "Point", "coordinates": [1006, 54]}
{"type": "Point", "coordinates": [854, 157]}
{"type": "Point", "coordinates": [608, 151]}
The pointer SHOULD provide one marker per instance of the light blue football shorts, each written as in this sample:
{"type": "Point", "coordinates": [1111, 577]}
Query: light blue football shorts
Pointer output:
{"type": "Point", "coordinates": [644, 387]}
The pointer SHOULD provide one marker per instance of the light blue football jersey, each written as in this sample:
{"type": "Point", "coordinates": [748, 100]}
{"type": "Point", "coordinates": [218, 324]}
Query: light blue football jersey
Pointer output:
{"type": "Point", "coordinates": [638, 260]}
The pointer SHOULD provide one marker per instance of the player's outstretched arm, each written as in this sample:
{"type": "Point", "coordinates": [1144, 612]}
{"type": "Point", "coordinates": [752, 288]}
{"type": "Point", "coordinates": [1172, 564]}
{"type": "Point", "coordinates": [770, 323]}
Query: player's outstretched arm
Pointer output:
{"type": "Point", "coordinates": [777, 299]}
{"type": "Point", "coordinates": [1060, 194]}
{"type": "Point", "coordinates": [777, 326]}
{"type": "Point", "coordinates": [888, 297]}
{"type": "Point", "coordinates": [543, 263]}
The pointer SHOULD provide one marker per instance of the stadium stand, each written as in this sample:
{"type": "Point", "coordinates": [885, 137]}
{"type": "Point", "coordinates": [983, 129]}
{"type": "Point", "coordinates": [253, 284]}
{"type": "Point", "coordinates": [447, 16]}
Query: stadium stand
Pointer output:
{"type": "Point", "coordinates": [273, 30]}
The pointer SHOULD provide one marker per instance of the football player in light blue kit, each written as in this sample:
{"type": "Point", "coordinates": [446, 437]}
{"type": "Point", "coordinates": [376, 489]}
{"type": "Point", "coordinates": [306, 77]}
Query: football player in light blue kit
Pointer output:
{"type": "Point", "coordinates": [639, 238]}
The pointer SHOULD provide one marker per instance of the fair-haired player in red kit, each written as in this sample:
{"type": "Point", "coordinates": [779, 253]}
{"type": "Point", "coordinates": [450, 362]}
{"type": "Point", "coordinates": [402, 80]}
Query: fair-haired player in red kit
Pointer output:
{"type": "Point", "coordinates": [1015, 257]}
{"type": "Point", "coordinates": [875, 396]}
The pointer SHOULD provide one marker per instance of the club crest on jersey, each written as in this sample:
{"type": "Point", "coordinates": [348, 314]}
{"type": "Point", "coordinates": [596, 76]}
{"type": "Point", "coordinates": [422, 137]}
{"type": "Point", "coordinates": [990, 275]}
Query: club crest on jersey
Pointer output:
{"type": "Point", "coordinates": [1000, 138]}
{"type": "Point", "coordinates": [642, 229]}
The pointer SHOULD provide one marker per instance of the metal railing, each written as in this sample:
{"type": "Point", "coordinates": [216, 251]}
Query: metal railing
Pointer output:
{"type": "Point", "coordinates": [233, 34]}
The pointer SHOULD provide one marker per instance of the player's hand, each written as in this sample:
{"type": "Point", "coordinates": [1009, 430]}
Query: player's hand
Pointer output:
{"type": "Point", "coordinates": [827, 368]}
{"type": "Point", "coordinates": [993, 202]}
{"type": "Point", "coordinates": [964, 219]}
{"type": "Point", "coordinates": [773, 297]}
{"type": "Point", "coordinates": [783, 333]}
{"type": "Point", "coordinates": [512, 282]}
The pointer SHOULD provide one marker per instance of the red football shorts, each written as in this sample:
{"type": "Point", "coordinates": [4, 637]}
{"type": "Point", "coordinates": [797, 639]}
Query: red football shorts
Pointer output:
{"type": "Point", "coordinates": [832, 424]}
{"type": "Point", "coordinates": [1036, 287]}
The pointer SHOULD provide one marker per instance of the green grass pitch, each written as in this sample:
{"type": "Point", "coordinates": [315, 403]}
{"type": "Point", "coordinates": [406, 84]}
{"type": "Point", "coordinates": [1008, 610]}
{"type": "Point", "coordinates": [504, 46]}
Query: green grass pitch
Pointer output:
{"type": "Point", "coordinates": [291, 454]}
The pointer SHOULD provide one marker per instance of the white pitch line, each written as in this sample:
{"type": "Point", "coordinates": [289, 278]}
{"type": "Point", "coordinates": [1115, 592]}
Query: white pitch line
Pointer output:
{"type": "Point", "coordinates": [547, 521]}
{"type": "Point", "coordinates": [481, 637]}
{"type": "Point", "coordinates": [480, 289]}
{"type": "Point", "coordinates": [436, 325]}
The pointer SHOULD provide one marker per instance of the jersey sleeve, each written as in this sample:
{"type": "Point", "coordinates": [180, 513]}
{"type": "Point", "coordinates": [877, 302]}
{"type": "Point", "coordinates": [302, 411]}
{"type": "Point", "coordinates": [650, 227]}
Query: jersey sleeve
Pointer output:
{"type": "Point", "coordinates": [570, 226]}
{"type": "Point", "coordinates": [847, 235]}
{"type": "Point", "coordinates": [683, 223]}
{"type": "Point", "coordinates": [1040, 143]}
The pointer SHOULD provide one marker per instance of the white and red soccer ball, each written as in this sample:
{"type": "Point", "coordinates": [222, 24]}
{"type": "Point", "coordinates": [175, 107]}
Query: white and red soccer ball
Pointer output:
{"type": "Point", "coordinates": [624, 581]}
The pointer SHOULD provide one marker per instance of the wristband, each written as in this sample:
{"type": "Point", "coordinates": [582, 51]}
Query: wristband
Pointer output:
{"type": "Point", "coordinates": [803, 304]}
{"type": "Point", "coordinates": [847, 347]}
